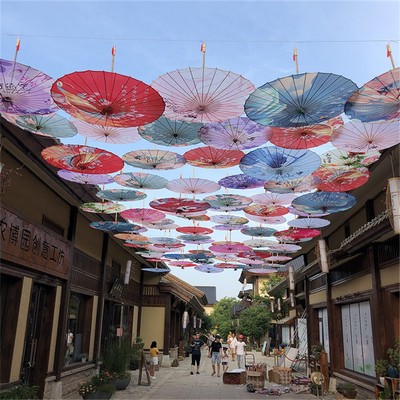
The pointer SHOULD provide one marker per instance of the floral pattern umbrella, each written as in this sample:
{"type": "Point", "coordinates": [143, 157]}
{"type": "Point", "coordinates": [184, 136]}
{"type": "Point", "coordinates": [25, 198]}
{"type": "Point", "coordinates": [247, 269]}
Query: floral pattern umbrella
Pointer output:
{"type": "Point", "coordinates": [82, 159]}
{"type": "Point", "coordinates": [169, 132]}
{"type": "Point", "coordinates": [182, 264]}
{"type": "Point", "coordinates": [299, 100]}
{"type": "Point", "coordinates": [107, 98]}
{"type": "Point", "coordinates": [192, 186]}
{"type": "Point", "coordinates": [229, 249]}
{"type": "Point", "coordinates": [203, 94]}
{"type": "Point", "coordinates": [209, 157]}
{"type": "Point", "coordinates": [227, 227]}
{"type": "Point", "coordinates": [141, 180]}
{"type": "Point", "coordinates": [121, 195]}
{"type": "Point", "coordinates": [261, 271]}
{"type": "Point", "coordinates": [297, 185]}
{"type": "Point", "coordinates": [229, 219]}
{"type": "Point", "coordinates": [154, 159]}
{"type": "Point", "coordinates": [260, 210]}
{"type": "Point", "coordinates": [286, 248]}
{"type": "Point", "coordinates": [107, 133]}
{"type": "Point", "coordinates": [132, 237]}
{"type": "Point", "coordinates": [241, 181]}
{"type": "Point", "coordinates": [324, 202]}
{"type": "Point", "coordinates": [377, 100]}
{"type": "Point", "coordinates": [273, 199]}
{"type": "Point", "coordinates": [235, 134]}
{"type": "Point", "coordinates": [309, 223]}
{"type": "Point", "coordinates": [258, 231]}
{"type": "Point", "coordinates": [299, 213]}
{"type": "Point", "coordinates": [85, 179]}
{"type": "Point", "coordinates": [105, 207]}
{"type": "Point", "coordinates": [115, 226]}
{"type": "Point", "coordinates": [228, 201]}
{"type": "Point", "coordinates": [179, 206]}
{"type": "Point", "coordinates": [266, 220]}
{"type": "Point", "coordinates": [341, 158]}
{"type": "Point", "coordinates": [24, 90]}
{"type": "Point", "coordinates": [273, 163]}
{"type": "Point", "coordinates": [142, 215]}
{"type": "Point", "coordinates": [159, 224]}
{"type": "Point", "coordinates": [194, 230]}
{"type": "Point", "coordinates": [297, 233]}
{"type": "Point", "coordinates": [164, 240]}
{"type": "Point", "coordinates": [362, 137]}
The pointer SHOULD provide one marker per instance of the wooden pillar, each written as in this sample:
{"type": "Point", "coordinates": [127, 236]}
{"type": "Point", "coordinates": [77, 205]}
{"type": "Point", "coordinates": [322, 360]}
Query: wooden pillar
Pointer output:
{"type": "Point", "coordinates": [167, 324]}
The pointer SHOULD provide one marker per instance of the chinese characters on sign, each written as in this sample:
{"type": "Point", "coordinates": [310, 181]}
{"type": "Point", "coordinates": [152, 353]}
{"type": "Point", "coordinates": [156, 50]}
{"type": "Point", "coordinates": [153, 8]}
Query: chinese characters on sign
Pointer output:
{"type": "Point", "coordinates": [27, 244]}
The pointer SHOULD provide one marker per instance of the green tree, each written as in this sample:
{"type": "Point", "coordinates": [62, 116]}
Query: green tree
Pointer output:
{"type": "Point", "coordinates": [255, 321]}
{"type": "Point", "coordinates": [222, 316]}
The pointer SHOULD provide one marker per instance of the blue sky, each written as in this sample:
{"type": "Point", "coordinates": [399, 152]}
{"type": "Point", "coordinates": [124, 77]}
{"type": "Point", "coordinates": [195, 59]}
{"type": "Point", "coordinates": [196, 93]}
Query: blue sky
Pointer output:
{"type": "Point", "coordinates": [251, 38]}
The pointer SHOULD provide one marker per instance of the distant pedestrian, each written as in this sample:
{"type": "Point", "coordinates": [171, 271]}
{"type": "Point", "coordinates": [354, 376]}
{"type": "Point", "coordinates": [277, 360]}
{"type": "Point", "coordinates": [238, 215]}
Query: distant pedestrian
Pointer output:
{"type": "Point", "coordinates": [210, 339]}
{"type": "Point", "coordinates": [216, 354]}
{"type": "Point", "coordinates": [225, 359]}
{"type": "Point", "coordinates": [197, 344]}
{"type": "Point", "coordinates": [232, 346]}
{"type": "Point", "coordinates": [240, 351]}
{"type": "Point", "coordinates": [153, 359]}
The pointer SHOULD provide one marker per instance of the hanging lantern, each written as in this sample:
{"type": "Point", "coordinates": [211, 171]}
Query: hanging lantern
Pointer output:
{"type": "Point", "coordinates": [292, 299]}
{"type": "Point", "coordinates": [128, 271]}
{"type": "Point", "coordinates": [279, 304]}
{"type": "Point", "coordinates": [185, 319]}
{"type": "Point", "coordinates": [291, 277]}
{"type": "Point", "coordinates": [323, 256]}
{"type": "Point", "coordinates": [194, 322]}
{"type": "Point", "coordinates": [200, 323]}
{"type": "Point", "coordinates": [272, 306]}
{"type": "Point", "coordinates": [393, 203]}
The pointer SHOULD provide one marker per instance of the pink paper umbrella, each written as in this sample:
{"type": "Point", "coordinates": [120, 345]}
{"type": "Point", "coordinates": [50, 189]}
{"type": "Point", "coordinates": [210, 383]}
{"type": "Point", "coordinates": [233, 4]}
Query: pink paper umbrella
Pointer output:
{"type": "Point", "coordinates": [266, 220]}
{"type": "Point", "coordinates": [274, 199]}
{"type": "Point", "coordinates": [227, 227]}
{"type": "Point", "coordinates": [192, 186]}
{"type": "Point", "coordinates": [194, 230]}
{"type": "Point", "coordinates": [284, 247]}
{"type": "Point", "coordinates": [229, 220]}
{"type": "Point", "coordinates": [239, 133]}
{"type": "Point", "coordinates": [85, 179]}
{"type": "Point", "coordinates": [226, 242]}
{"type": "Point", "coordinates": [261, 271]}
{"type": "Point", "coordinates": [141, 215]}
{"type": "Point", "coordinates": [265, 211]}
{"type": "Point", "coordinates": [209, 157]}
{"type": "Point", "coordinates": [298, 233]}
{"type": "Point", "coordinates": [182, 264]}
{"type": "Point", "coordinates": [165, 222]}
{"type": "Point", "coordinates": [279, 258]}
{"type": "Point", "coordinates": [250, 261]}
{"type": "Point", "coordinates": [229, 249]}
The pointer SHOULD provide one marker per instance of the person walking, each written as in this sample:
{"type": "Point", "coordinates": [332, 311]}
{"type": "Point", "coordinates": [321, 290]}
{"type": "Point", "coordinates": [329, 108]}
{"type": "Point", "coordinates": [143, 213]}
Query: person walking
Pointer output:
{"type": "Point", "coordinates": [232, 346]}
{"type": "Point", "coordinates": [153, 359]}
{"type": "Point", "coordinates": [196, 345]}
{"type": "Point", "coordinates": [225, 359]}
{"type": "Point", "coordinates": [216, 354]}
{"type": "Point", "coordinates": [240, 351]}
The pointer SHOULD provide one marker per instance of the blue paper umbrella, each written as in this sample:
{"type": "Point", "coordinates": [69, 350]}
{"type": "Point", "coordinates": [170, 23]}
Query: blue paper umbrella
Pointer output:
{"type": "Point", "coordinates": [176, 256]}
{"type": "Point", "coordinates": [169, 132]}
{"type": "Point", "coordinates": [226, 201]}
{"type": "Point", "coordinates": [115, 226]}
{"type": "Point", "coordinates": [121, 195]}
{"type": "Point", "coordinates": [276, 164]}
{"type": "Point", "coordinates": [258, 231]}
{"type": "Point", "coordinates": [157, 270]}
{"type": "Point", "coordinates": [141, 180]}
{"type": "Point", "coordinates": [193, 237]}
{"type": "Point", "coordinates": [299, 100]}
{"type": "Point", "coordinates": [241, 181]}
{"type": "Point", "coordinates": [201, 258]}
{"type": "Point", "coordinates": [324, 202]}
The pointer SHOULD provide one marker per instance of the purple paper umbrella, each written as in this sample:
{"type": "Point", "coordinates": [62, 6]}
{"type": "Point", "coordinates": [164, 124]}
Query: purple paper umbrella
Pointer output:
{"type": "Point", "coordinates": [241, 181]}
{"type": "Point", "coordinates": [85, 179]}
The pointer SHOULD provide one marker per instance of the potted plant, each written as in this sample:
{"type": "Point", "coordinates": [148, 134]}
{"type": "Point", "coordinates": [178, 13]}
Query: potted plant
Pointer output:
{"type": "Point", "coordinates": [394, 360]}
{"type": "Point", "coordinates": [83, 357]}
{"type": "Point", "coordinates": [381, 369]}
{"type": "Point", "coordinates": [21, 392]}
{"type": "Point", "coordinates": [385, 394]}
{"type": "Point", "coordinates": [347, 390]}
{"type": "Point", "coordinates": [136, 353]}
{"type": "Point", "coordinates": [98, 387]}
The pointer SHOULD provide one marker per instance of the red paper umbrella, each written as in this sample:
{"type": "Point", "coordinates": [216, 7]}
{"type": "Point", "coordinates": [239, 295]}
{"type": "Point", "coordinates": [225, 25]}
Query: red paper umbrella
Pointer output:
{"type": "Point", "coordinates": [267, 220]}
{"type": "Point", "coordinates": [102, 208]}
{"type": "Point", "coordinates": [107, 98]}
{"type": "Point", "coordinates": [209, 157]}
{"type": "Point", "coordinates": [179, 206]}
{"type": "Point", "coordinates": [297, 233]}
{"type": "Point", "coordinates": [141, 215]}
{"type": "Point", "coordinates": [262, 254]}
{"type": "Point", "coordinates": [229, 249]}
{"type": "Point", "coordinates": [194, 230]}
{"type": "Point", "coordinates": [260, 210]}
{"type": "Point", "coordinates": [192, 185]}
{"type": "Point", "coordinates": [335, 179]}
{"type": "Point", "coordinates": [84, 159]}
{"type": "Point", "coordinates": [305, 184]}
{"type": "Point", "coordinates": [273, 199]}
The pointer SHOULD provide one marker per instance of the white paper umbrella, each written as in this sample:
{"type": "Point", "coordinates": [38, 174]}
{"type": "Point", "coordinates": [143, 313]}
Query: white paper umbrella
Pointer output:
{"type": "Point", "coordinates": [308, 223]}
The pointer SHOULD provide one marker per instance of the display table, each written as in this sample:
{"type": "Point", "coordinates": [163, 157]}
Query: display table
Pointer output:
{"type": "Point", "coordinates": [235, 377]}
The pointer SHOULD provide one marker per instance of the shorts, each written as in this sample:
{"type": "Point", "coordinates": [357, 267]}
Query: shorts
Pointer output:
{"type": "Point", "coordinates": [154, 361]}
{"type": "Point", "coordinates": [216, 358]}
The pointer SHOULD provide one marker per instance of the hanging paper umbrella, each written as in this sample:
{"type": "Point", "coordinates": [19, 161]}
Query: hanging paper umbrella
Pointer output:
{"type": "Point", "coordinates": [278, 258]}
{"type": "Point", "coordinates": [363, 137]}
{"type": "Point", "coordinates": [229, 249]}
{"type": "Point", "coordinates": [193, 237]}
{"type": "Point", "coordinates": [121, 195]}
{"type": "Point", "coordinates": [273, 199]}
{"type": "Point", "coordinates": [132, 237]}
{"type": "Point", "coordinates": [157, 270]}
{"type": "Point", "coordinates": [142, 215]}
{"type": "Point", "coordinates": [250, 261]}
{"type": "Point", "coordinates": [273, 163]}
{"type": "Point", "coordinates": [299, 100]}
{"type": "Point", "coordinates": [142, 229]}
{"type": "Point", "coordinates": [208, 157]}
{"type": "Point", "coordinates": [141, 180]}
{"type": "Point", "coordinates": [227, 227]}
{"type": "Point", "coordinates": [50, 125]}
{"type": "Point", "coordinates": [164, 240]}
{"type": "Point", "coordinates": [192, 185]}
{"type": "Point", "coordinates": [182, 264]}
{"type": "Point", "coordinates": [201, 258]}
{"type": "Point", "coordinates": [308, 223]}
{"type": "Point", "coordinates": [259, 243]}
{"type": "Point", "coordinates": [203, 94]}
{"type": "Point", "coordinates": [149, 254]}
{"type": "Point", "coordinates": [377, 100]}
{"type": "Point", "coordinates": [135, 245]}
{"type": "Point", "coordinates": [235, 134]}
{"type": "Point", "coordinates": [154, 159]}
{"type": "Point", "coordinates": [107, 98]}
{"type": "Point", "coordinates": [201, 217]}
{"type": "Point", "coordinates": [229, 219]}
{"type": "Point", "coordinates": [103, 207]}
{"type": "Point", "coordinates": [179, 206]}
{"type": "Point", "coordinates": [261, 271]}
{"type": "Point", "coordinates": [209, 269]}
{"type": "Point", "coordinates": [169, 132]}
{"type": "Point", "coordinates": [343, 158]}
{"type": "Point", "coordinates": [258, 231]}
{"type": "Point", "coordinates": [115, 226]}
{"type": "Point", "coordinates": [266, 220]}
{"type": "Point", "coordinates": [168, 247]}
{"type": "Point", "coordinates": [199, 241]}
{"type": "Point", "coordinates": [169, 227]}
{"type": "Point", "coordinates": [230, 266]}
{"type": "Point", "coordinates": [158, 224]}
{"type": "Point", "coordinates": [260, 210]}
{"type": "Point", "coordinates": [299, 213]}
{"type": "Point", "coordinates": [228, 201]}
{"type": "Point", "coordinates": [324, 202]}
{"type": "Point", "coordinates": [85, 159]}
{"type": "Point", "coordinates": [85, 179]}
{"type": "Point", "coordinates": [107, 133]}
{"type": "Point", "coordinates": [241, 181]}
{"type": "Point", "coordinates": [194, 230]}
{"type": "Point", "coordinates": [286, 248]}
{"type": "Point", "coordinates": [297, 233]}
{"type": "Point", "coordinates": [254, 254]}
{"type": "Point", "coordinates": [297, 185]}
{"type": "Point", "coordinates": [227, 242]}
{"type": "Point", "coordinates": [176, 256]}
{"type": "Point", "coordinates": [24, 90]}
{"type": "Point", "coordinates": [227, 209]}
{"type": "Point", "coordinates": [341, 179]}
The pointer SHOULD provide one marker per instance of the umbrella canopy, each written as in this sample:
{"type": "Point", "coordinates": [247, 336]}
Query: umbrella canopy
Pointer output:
{"type": "Point", "coordinates": [121, 195]}
{"type": "Point", "coordinates": [142, 215]}
{"type": "Point", "coordinates": [363, 137]}
{"type": "Point", "coordinates": [341, 158]}
{"type": "Point", "coordinates": [201, 258]}
{"type": "Point", "coordinates": [182, 264]}
{"type": "Point", "coordinates": [141, 180]}
{"type": "Point", "coordinates": [266, 220]}
{"type": "Point", "coordinates": [299, 213]}
{"type": "Point", "coordinates": [258, 231]}
{"type": "Point", "coordinates": [169, 132]}
{"type": "Point", "coordinates": [228, 201]}
{"type": "Point", "coordinates": [259, 243]}
{"type": "Point", "coordinates": [105, 207]}
{"type": "Point", "coordinates": [192, 185]}
{"type": "Point", "coordinates": [194, 237]}
{"type": "Point", "coordinates": [278, 258]}
{"type": "Point", "coordinates": [209, 269]}
{"type": "Point", "coordinates": [324, 202]}
{"type": "Point", "coordinates": [229, 266]}
{"type": "Point", "coordinates": [227, 227]}
{"type": "Point", "coordinates": [24, 90]}
{"type": "Point", "coordinates": [201, 217]}
{"type": "Point", "coordinates": [209, 157]}
{"type": "Point", "coordinates": [309, 223]}
{"type": "Point", "coordinates": [262, 271]}
{"type": "Point", "coordinates": [84, 159]}
{"type": "Point", "coordinates": [377, 100]}
{"type": "Point", "coordinates": [107, 98]}
{"type": "Point", "coordinates": [179, 206]}
{"type": "Point", "coordinates": [194, 230]}
{"type": "Point", "coordinates": [241, 181]}
{"type": "Point", "coordinates": [85, 179]}
{"type": "Point", "coordinates": [286, 248]}
{"type": "Point", "coordinates": [157, 270]}
{"type": "Point", "coordinates": [298, 185]}
{"type": "Point", "coordinates": [164, 240]}
{"type": "Point", "coordinates": [260, 210]}
{"type": "Point", "coordinates": [272, 199]}
{"type": "Point", "coordinates": [229, 219]}
{"type": "Point", "coordinates": [115, 226]}
{"type": "Point", "coordinates": [203, 94]}
{"type": "Point", "coordinates": [154, 159]}
{"type": "Point", "coordinates": [229, 248]}
{"type": "Point", "coordinates": [198, 241]}
{"type": "Point", "coordinates": [159, 224]}
{"type": "Point", "coordinates": [52, 125]}
{"type": "Point", "coordinates": [297, 233]}
{"type": "Point", "coordinates": [276, 164]}
{"type": "Point", "coordinates": [235, 134]}
{"type": "Point", "coordinates": [132, 237]}
{"type": "Point", "coordinates": [299, 100]}
{"type": "Point", "coordinates": [107, 133]}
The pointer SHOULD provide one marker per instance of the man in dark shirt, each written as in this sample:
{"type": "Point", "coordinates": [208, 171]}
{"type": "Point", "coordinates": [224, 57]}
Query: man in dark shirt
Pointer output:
{"type": "Point", "coordinates": [216, 353]}
{"type": "Point", "coordinates": [196, 345]}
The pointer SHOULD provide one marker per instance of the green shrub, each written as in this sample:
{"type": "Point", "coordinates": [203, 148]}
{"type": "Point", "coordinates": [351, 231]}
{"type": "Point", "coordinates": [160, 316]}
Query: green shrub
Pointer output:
{"type": "Point", "coordinates": [20, 392]}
